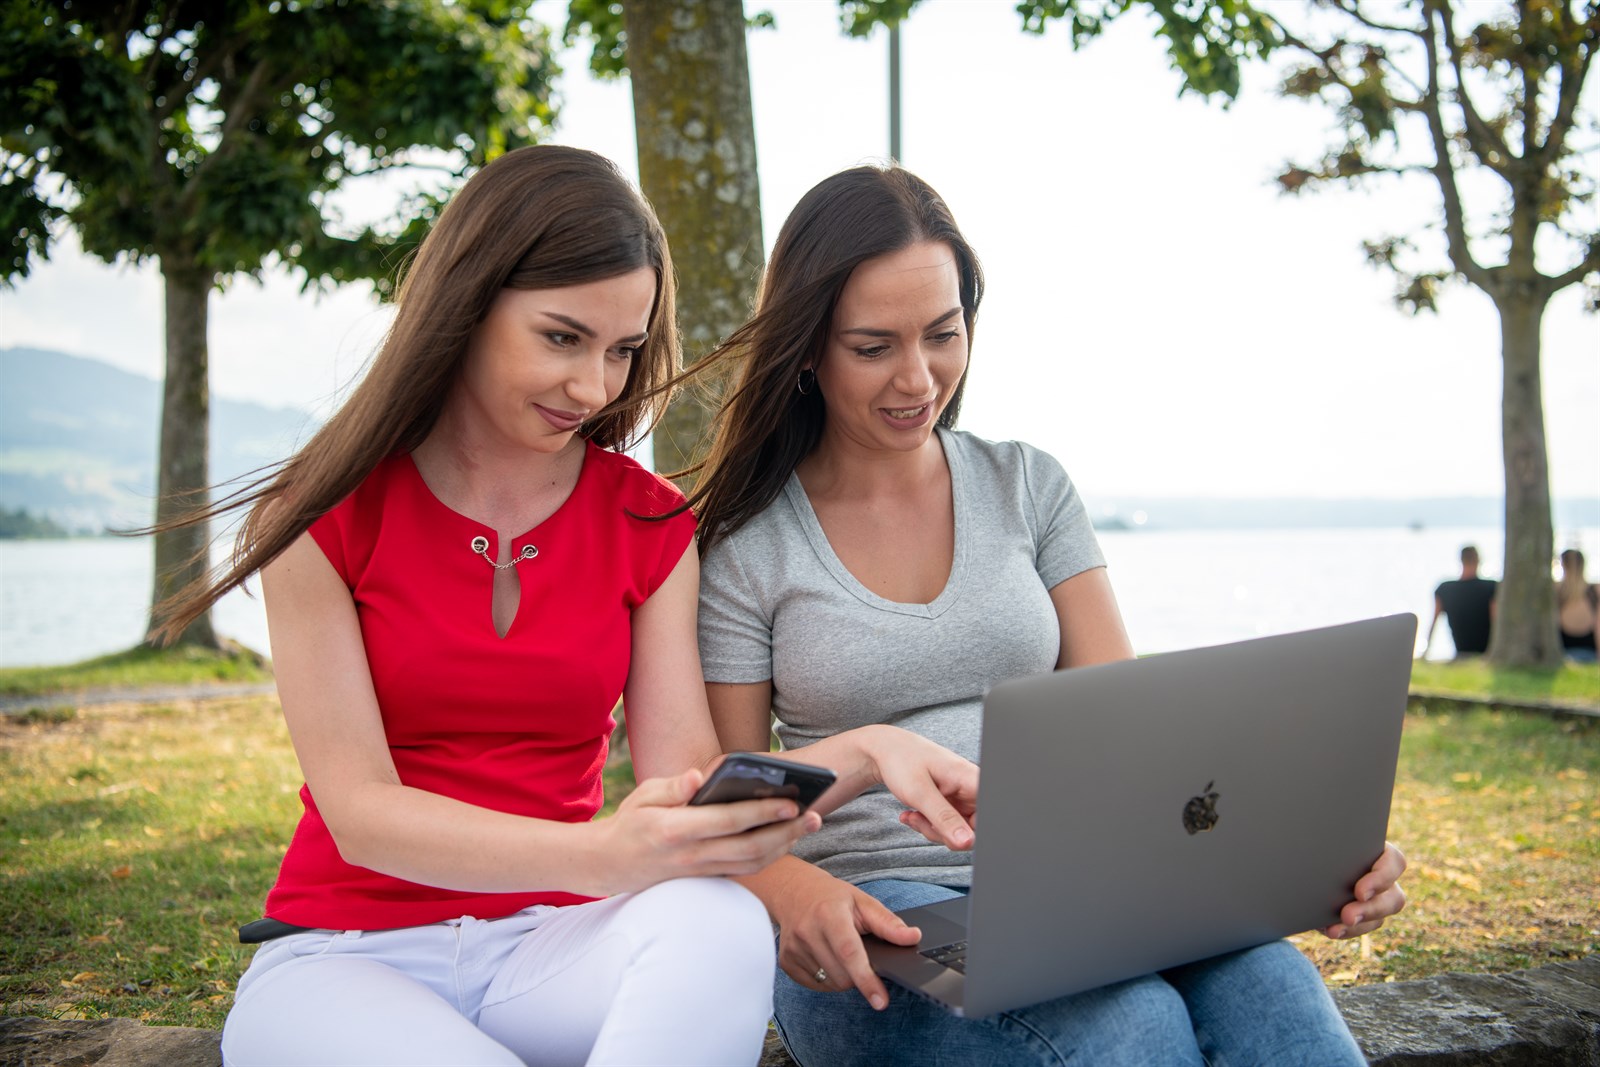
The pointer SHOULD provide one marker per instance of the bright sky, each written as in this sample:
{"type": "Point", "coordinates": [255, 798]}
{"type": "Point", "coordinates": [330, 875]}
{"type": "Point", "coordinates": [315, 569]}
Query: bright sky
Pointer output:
{"type": "Point", "coordinates": [1157, 315]}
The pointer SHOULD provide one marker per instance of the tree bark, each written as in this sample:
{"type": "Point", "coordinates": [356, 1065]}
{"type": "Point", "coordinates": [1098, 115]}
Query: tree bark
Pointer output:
{"type": "Point", "coordinates": [182, 478]}
{"type": "Point", "coordinates": [1525, 633]}
{"type": "Point", "coordinates": [697, 165]}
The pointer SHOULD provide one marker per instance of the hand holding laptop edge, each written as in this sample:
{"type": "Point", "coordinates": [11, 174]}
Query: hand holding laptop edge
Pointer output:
{"type": "Point", "coordinates": [1234, 717]}
{"type": "Point", "coordinates": [1377, 896]}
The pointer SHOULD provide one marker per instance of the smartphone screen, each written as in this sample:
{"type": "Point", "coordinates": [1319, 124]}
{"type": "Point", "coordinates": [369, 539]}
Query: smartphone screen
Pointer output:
{"type": "Point", "coordinates": [750, 776]}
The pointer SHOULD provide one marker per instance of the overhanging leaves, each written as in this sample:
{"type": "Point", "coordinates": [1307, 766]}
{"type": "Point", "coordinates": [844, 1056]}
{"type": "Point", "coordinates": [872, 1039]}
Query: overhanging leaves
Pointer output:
{"type": "Point", "coordinates": [213, 132]}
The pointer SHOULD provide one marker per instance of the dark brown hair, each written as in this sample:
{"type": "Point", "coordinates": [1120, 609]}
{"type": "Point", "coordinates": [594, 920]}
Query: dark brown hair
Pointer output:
{"type": "Point", "coordinates": [541, 217]}
{"type": "Point", "coordinates": [766, 426]}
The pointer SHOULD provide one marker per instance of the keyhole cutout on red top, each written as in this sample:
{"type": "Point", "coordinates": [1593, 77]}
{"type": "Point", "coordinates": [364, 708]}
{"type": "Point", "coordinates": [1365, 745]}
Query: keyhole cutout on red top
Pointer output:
{"type": "Point", "coordinates": [507, 597]}
{"type": "Point", "coordinates": [506, 590]}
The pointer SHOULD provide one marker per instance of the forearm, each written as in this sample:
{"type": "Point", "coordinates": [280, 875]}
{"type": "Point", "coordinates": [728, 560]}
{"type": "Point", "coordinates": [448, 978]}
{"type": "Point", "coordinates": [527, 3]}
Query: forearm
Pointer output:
{"type": "Point", "coordinates": [434, 840]}
{"type": "Point", "coordinates": [854, 755]}
{"type": "Point", "coordinates": [782, 881]}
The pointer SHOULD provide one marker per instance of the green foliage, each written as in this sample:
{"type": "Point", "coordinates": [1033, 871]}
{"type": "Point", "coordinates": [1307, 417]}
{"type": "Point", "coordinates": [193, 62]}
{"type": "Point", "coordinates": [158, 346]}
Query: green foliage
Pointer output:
{"type": "Point", "coordinates": [1417, 94]}
{"type": "Point", "coordinates": [1207, 41]}
{"type": "Point", "coordinates": [18, 523]}
{"type": "Point", "coordinates": [211, 134]}
{"type": "Point", "coordinates": [599, 22]}
{"type": "Point", "coordinates": [861, 17]}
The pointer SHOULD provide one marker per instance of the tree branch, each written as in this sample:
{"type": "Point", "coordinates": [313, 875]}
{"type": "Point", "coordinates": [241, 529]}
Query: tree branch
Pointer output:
{"type": "Point", "coordinates": [167, 29]}
{"type": "Point", "coordinates": [239, 111]}
{"type": "Point", "coordinates": [1455, 226]}
{"type": "Point", "coordinates": [1352, 8]}
{"type": "Point", "coordinates": [1486, 144]}
{"type": "Point", "coordinates": [1530, 111]}
{"type": "Point", "coordinates": [1590, 264]}
{"type": "Point", "coordinates": [1324, 57]}
{"type": "Point", "coordinates": [1571, 90]}
{"type": "Point", "coordinates": [390, 163]}
{"type": "Point", "coordinates": [1395, 69]}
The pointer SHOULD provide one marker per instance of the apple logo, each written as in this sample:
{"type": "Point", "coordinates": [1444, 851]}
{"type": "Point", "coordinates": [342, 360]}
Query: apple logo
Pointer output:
{"type": "Point", "coordinates": [1200, 814]}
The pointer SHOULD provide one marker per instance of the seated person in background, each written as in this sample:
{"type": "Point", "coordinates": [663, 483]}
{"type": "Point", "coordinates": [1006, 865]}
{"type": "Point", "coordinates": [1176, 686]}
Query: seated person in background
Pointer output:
{"type": "Point", "coordinates": [1468, 605]}
{"type": "Point", "coordinates": [1577, 608]}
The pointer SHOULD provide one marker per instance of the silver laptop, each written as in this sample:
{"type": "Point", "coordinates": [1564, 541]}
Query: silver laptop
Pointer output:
{"type": "Point", "coordinates": [1139, 815]}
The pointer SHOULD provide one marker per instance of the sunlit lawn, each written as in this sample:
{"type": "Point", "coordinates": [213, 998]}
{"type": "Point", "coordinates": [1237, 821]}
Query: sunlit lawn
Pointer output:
{"type": "Point", "coordinates": [137, 667]}
{"type": "Point", "coordinates": [133, 839]}
{"type": "Point", "coordinates": [1499, 815]}
{"type": "Point", "coordinates": [1571, 684]}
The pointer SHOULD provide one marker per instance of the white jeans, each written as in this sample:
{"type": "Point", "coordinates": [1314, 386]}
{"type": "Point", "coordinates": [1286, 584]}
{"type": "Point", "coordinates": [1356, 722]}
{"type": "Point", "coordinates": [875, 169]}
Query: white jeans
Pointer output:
{"type": "Point", "coordinates": [680, 973]}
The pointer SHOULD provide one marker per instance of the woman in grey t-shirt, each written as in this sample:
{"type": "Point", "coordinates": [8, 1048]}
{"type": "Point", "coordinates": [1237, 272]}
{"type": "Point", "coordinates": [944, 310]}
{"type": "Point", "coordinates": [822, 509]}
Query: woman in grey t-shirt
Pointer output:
{"type": "Point", "coordinates": [864, 564]}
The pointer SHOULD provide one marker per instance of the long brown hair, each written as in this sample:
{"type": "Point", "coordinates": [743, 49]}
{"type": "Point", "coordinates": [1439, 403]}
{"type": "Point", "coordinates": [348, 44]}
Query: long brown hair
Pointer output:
{"type": "Point", "coordinates": [540, 217]}
{"type": "Point", "coordinates": [766, 426]}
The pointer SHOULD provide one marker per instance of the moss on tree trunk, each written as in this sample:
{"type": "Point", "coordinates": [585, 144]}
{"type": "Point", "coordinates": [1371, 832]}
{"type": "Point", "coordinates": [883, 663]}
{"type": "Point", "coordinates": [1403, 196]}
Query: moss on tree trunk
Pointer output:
{"type": "Point", "coordinates": [1525, 633]}
{"type": "Point", "coordinates": [697, 165]}
{"type": "Point", "coordinates": [183, 463]}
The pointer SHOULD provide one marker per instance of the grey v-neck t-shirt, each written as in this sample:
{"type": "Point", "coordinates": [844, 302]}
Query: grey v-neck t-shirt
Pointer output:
{"type": "Point", "coordinates": [776, 603]}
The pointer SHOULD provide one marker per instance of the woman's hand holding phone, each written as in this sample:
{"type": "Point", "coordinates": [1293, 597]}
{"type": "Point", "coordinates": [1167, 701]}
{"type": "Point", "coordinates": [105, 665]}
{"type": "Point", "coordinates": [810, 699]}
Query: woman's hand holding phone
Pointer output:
{"type": "Point", "coordinates": [657, 835]}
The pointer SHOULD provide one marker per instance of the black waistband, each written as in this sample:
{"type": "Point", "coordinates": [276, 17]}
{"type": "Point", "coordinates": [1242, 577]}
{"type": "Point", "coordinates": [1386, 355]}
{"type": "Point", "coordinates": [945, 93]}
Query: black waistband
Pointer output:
{"type": "Point", "coordinates": [253, 933]}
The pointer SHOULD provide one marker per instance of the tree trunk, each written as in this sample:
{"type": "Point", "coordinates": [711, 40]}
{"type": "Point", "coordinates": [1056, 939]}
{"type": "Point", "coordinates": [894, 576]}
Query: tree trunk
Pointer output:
{"type": "Point", "coordinates": [182, 465]}
{"type": "Point", "coordinates": [1525, 633]}
{"type": "Point", "coordinates": [697, 165]}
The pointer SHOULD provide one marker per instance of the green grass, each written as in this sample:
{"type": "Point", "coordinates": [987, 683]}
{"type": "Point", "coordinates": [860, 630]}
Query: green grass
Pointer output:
{"type": "Point", "coordinates": [1575, 684]}
{"type": "Point", "coordinates": [1499, 816]}
{"type": "Point", "coordinates": [136, 668]}
{"type": "Point", "coordinates": [135, 838]}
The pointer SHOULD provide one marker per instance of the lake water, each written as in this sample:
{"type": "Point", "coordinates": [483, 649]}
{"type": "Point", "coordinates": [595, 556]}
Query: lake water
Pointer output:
{"type": "Point", "coordinates": [62, 601]}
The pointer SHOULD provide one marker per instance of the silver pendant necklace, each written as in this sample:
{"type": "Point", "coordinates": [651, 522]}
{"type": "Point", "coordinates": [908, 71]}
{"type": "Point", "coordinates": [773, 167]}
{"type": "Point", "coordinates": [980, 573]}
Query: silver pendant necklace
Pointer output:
{"type": "Point", "coordinates": [480, 546]}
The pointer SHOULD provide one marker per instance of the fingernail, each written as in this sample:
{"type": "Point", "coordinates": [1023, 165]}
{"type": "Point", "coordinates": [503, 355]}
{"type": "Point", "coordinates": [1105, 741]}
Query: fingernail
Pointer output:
{"type": "Point", "coordinates": [1366, 894]}
{"type": "Point", "coordinates": [1358, 920]}
{"type": "Point", "coordinates": [879, 1002]}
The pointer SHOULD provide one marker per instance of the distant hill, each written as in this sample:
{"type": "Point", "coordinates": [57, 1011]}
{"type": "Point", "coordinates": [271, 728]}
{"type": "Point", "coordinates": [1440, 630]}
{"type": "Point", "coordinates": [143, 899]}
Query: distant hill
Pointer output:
{"type": "Point", "coordinates": [78, 438]}
{"type": "Point", "coordinates": [1199, 513]}
{"type": "Point", "coordinates": [78, 446]}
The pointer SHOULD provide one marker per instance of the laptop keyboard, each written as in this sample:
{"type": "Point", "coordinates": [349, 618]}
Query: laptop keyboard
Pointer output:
{"type": "Point", "coordinates": [953, 956]}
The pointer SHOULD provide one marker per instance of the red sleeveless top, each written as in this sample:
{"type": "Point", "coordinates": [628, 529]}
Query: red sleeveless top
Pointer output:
{"type": "Point", "coordinates": [519, 724]}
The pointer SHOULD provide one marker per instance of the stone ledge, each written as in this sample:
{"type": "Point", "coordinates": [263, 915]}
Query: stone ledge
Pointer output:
{"type": "Point", "coordinates": [1546, 1017]}
{"type": "Point", "coordinates": [30, 1042]}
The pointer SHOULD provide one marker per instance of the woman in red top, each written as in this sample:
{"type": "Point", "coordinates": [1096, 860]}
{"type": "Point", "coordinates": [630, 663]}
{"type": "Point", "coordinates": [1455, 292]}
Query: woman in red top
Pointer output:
{"type": "Point", "coordinates": [461, 578]}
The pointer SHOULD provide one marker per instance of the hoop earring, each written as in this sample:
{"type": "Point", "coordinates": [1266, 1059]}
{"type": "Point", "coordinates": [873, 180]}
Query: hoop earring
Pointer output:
{"type": "Point", "coordinates": [805, 381]}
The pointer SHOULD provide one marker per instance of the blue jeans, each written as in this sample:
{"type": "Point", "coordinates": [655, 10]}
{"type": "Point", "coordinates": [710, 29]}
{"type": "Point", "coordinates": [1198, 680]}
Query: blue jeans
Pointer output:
{"type": "Point", "coordinates": [1264, 1005]}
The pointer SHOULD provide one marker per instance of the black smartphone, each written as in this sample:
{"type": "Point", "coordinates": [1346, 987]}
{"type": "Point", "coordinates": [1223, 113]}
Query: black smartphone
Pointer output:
{"type": "Point", "coordinates": [751, 775]}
